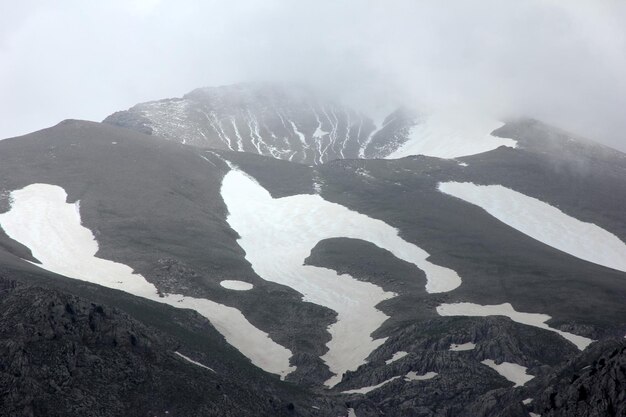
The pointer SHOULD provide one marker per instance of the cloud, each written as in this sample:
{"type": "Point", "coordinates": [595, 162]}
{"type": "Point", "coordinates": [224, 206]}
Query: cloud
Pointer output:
{"type": "Point", "coordinates": [559, 61]}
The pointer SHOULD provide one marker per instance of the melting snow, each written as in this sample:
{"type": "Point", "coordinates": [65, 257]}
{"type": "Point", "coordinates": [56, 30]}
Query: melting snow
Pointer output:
{"type": "Point", "coordinates": [413, 376]}
{"type": "Point", "coordinates": [188, 359]}
{"type": "Point", "coordinates": [451, 136]}
{"type": "Point", "coordinates": [511, 371]}
{"type": "Point", "coordinates": [365, 390]}
{"type": "Point", "coordinates": [41, 219]}
{"type": "Point", "coordinates": [396, 356]}
{"type": "Point", "coordinates": [232, 284]}
{"type": "Point", "coordinates": [506, 309]}
{"type": "Point", "coordinates": [544, 223]}
{"type": "Point", "coordinates": [463, 346]}
{"type": "Point", "coordinates": [278, 234]}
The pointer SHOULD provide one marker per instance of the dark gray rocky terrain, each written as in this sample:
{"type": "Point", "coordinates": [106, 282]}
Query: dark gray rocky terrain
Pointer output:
{"type": "Point", "coordinates": [62, 355]}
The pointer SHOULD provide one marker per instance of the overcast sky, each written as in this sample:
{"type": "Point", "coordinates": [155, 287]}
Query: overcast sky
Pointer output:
{"type": "Point", "coordinates": [561, 61]}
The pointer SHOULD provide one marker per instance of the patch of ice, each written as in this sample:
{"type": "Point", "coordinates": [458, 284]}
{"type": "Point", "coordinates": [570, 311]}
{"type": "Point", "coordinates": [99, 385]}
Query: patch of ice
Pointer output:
{"type": "Point", "coordinates": [544, 223]}
{"type": "Point", "coordinates": [365, 390]}
{"type": "Point", "coordinates": [278, 234]}
{"type": "Point", "coordinates": [511, 371]}
{"type": "Point", "coordinates": [463, 346]}
{"type": "Point", "coordinates": [451, 136]}
{"type": "Point", "coordinates": [413, 376]}
{"type": "Point", "coordinates": [232, 284]}
{"type": "Point", "coordinates": [41, 220]}
{"type": "Point", "coordinates": [188, 359]}
{"type": "Point", "coordinates": [506, 309]}
{"type": "Point", "coordinates": [396, 356]}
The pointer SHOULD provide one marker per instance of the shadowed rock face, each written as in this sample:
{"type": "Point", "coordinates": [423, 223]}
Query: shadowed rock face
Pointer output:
{"type": "Point", "coordinates": [593, 384]}
{"type": "Point", "coordinates": [285, 123]}
{"type": "Point", "coordinates": [62, 355]}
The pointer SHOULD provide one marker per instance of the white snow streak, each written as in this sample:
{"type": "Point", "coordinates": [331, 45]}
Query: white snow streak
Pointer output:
{"type": "Point", "coordinates": [365, 390]}
{"type": "Point", "coordinates": [452, 136]}
{"type": "Point", "coordinates": [410, 376]}
{"type": "Point", "coordinates": [41, 219]}
{"type": "Point", "coordinates": [278, 234]}
{"type": "Point", "coordinates": [188, 359]}
{"type": "Point", "coordinates": [544, 223]}
{"type": "Point", "coordinates": [506, 309]}
{"type": "Point", "coordinates": [511, 371]}
{"type": "Point", "coordinates": [233, 284]}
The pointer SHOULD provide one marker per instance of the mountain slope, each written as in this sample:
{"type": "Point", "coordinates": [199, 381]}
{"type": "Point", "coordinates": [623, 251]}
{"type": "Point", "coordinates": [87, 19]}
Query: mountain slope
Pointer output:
{"type": "Point", "coordinates": [62, 355]}
{"type": "Point", "coordinates": [294, 124]}
{"type": "Point", "coordinates": [359, 270]}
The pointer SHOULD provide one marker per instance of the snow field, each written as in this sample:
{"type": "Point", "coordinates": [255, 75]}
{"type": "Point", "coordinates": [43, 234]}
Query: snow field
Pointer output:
{"type": "Point", "coordinates": [277, 235]}
{"type": "Point", "coordinates": [511, 371]}
{"type": "Point", "coordinates": [451, 136]}
{"type": "Point", "coordinates": [41, 220]}
{"type": "Point", "coordinates": [236, 285]}
{"type": "Point", "coordinates": [544, 223]}
{"type": "Point", "coordinates": [506, 309]}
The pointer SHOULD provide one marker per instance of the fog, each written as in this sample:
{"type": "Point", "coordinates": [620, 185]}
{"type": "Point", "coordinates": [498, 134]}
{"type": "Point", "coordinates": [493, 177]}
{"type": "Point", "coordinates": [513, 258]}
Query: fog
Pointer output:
{"type": "Point", "coordinates": [559, 61]}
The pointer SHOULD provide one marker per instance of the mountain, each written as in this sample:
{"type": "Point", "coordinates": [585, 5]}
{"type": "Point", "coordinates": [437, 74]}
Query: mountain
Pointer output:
{"type": "Point", "coordinates": [289, 123]}
{"type": "Point", "coordinates": [485, 267]}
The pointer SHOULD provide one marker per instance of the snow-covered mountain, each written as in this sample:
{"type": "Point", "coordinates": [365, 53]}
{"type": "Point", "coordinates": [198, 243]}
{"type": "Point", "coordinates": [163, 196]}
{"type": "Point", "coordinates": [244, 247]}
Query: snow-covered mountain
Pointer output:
{"type": "Point", "coordinates": [296, 125]}
{"type": "Point", "coordinates": [470, 272]}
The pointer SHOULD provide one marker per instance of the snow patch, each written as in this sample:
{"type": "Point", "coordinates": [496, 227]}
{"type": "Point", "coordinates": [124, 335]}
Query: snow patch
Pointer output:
{"type": "Point", "coordinates": [511, 371]}
{"type": "Point", "coordinates": [451, 136]}
{"type": "Point", "coordinates": [544, 223]}
{"type": "Point", "coordinates": [188, 359]}
{"type": "Point", "coordinates": [506, 309]}
{"type": "Point", "coordinates": [278, 234]}
{"type": "Point", "coordinates": [413, 376]}
{"type": "Point", "coordinates": [462, 347]}
{"type": "Point", "coordinates": [365, 390]}
{"type": "Point", "coordinates": [232, 284]}
{"type": "Point", "coordinates": [527, 401]}
{"type": "Point", "coordinates": [396, 356]}
{"type": "Point", "coordinates": [41, 220]}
